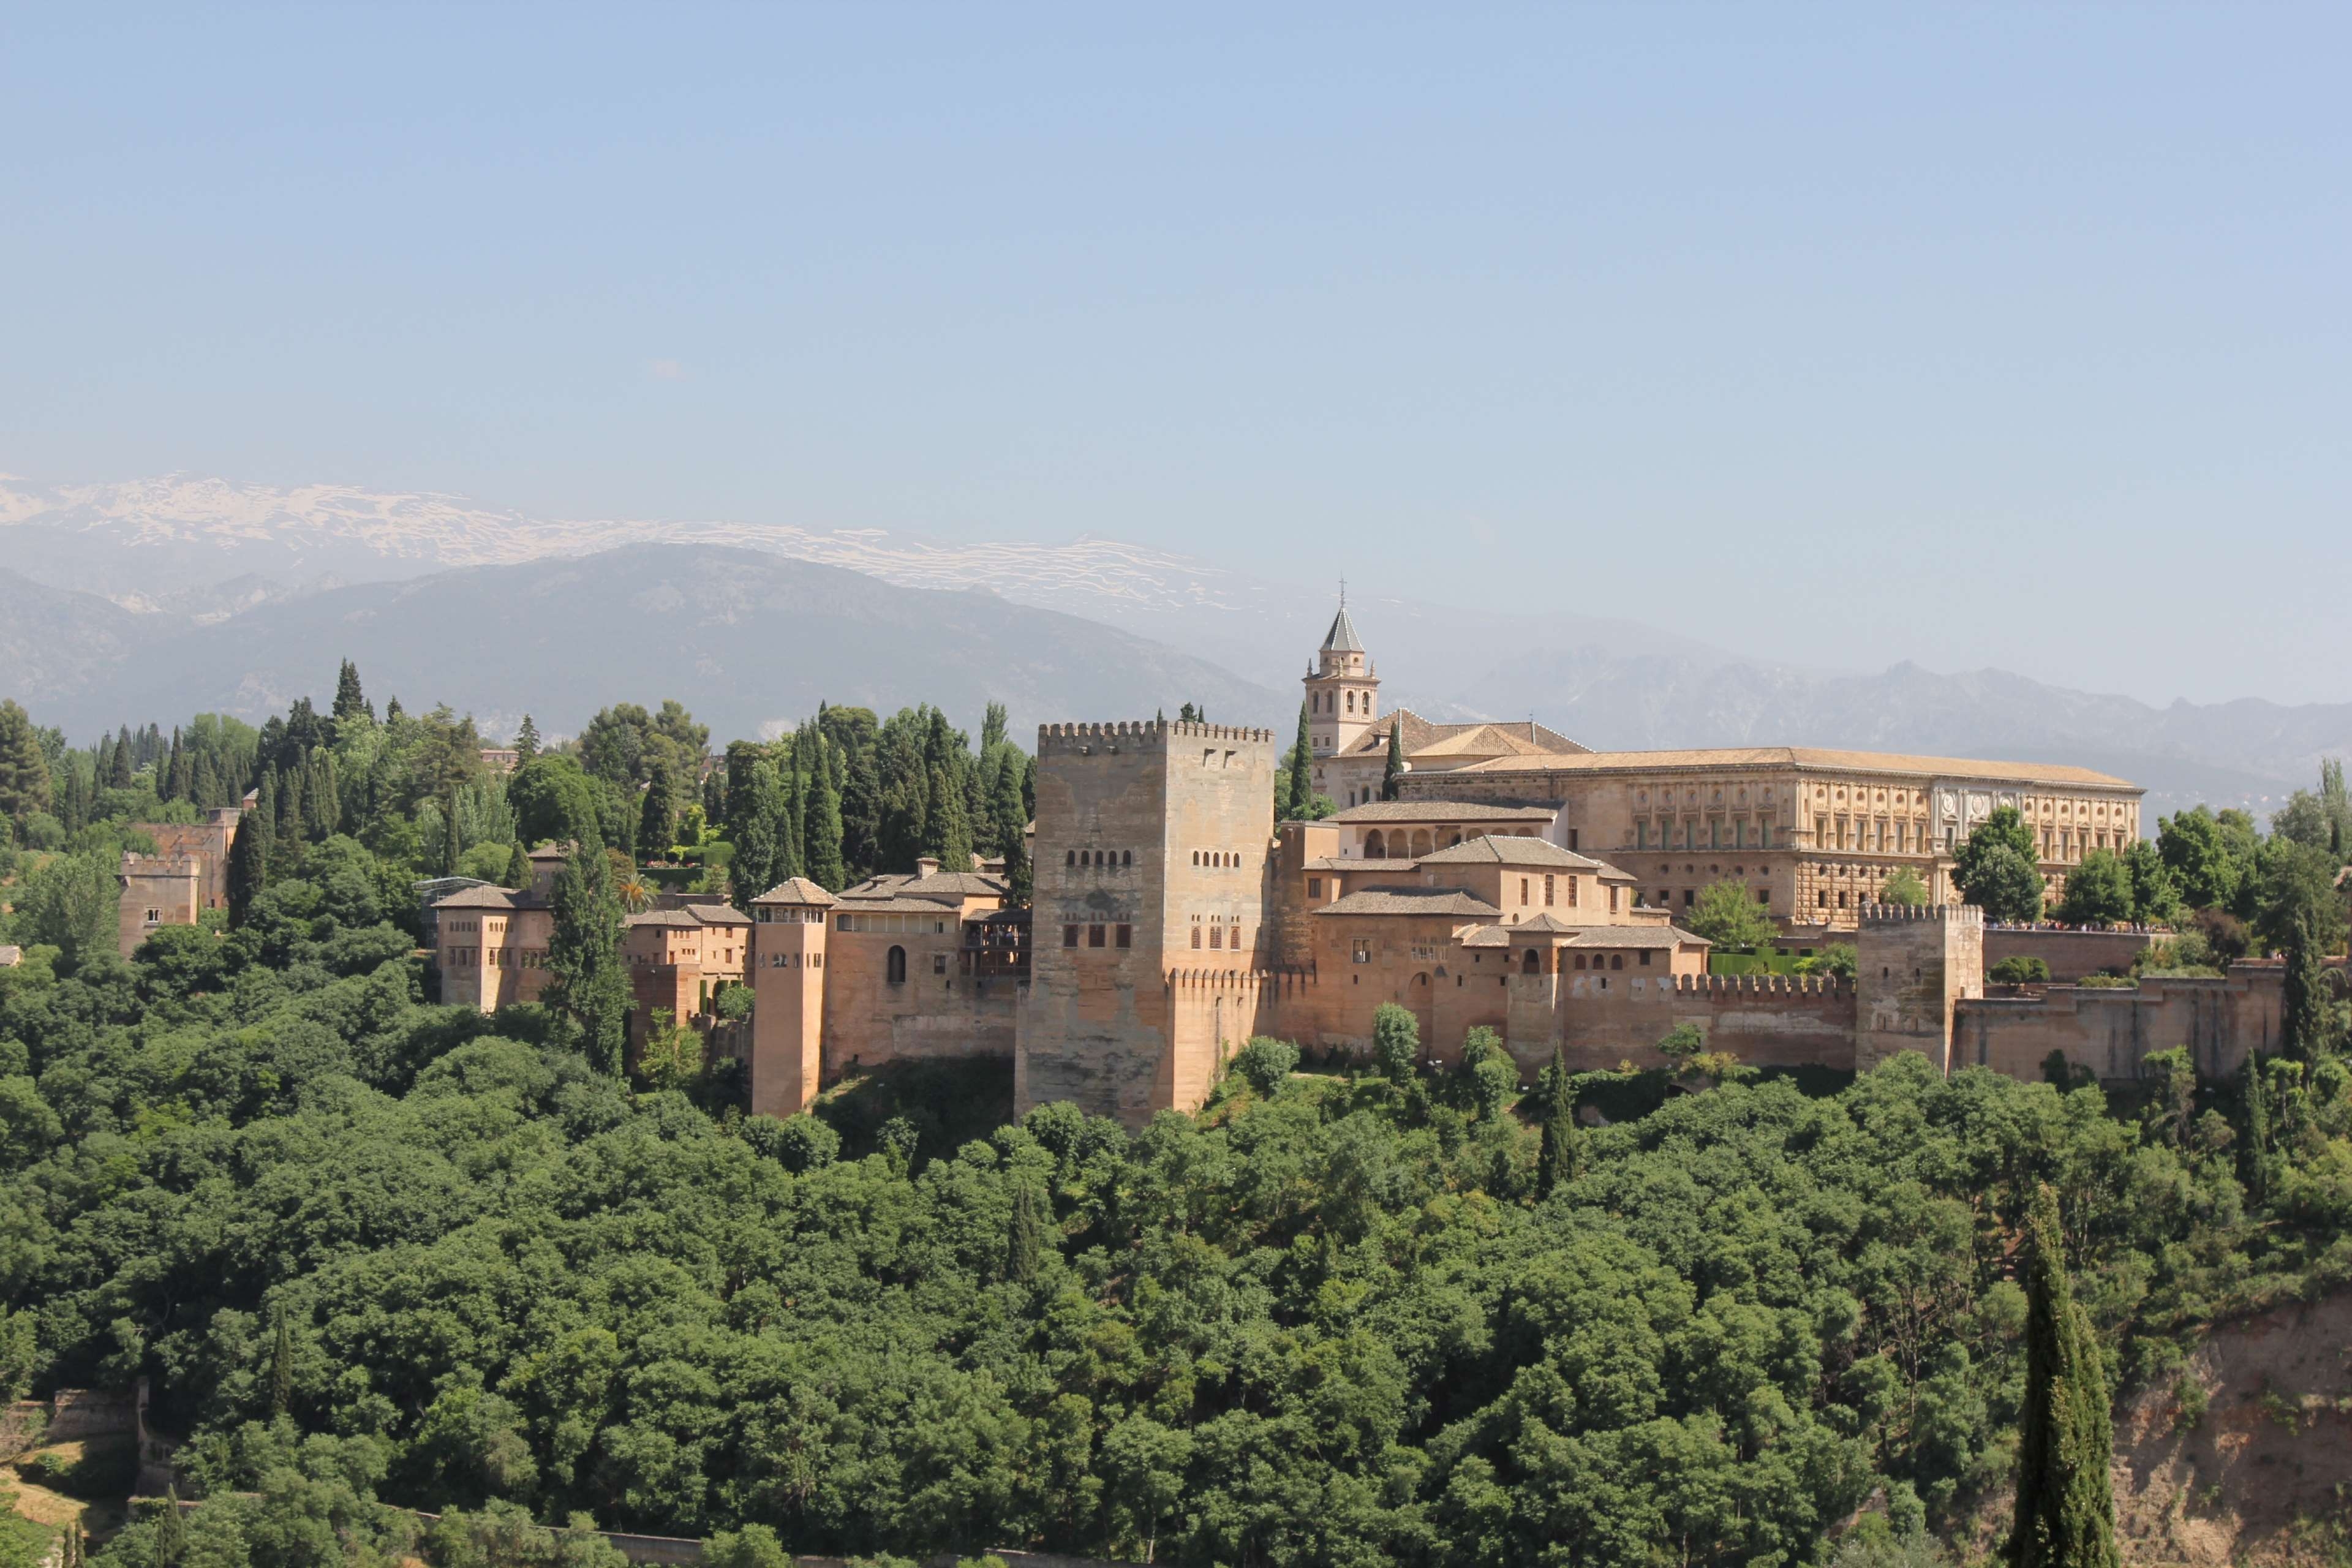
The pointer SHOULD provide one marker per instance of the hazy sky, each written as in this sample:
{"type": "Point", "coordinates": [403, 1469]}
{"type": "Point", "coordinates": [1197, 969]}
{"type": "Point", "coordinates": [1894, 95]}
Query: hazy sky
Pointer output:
{"type": "Point", "coordinates": [1978, 337]}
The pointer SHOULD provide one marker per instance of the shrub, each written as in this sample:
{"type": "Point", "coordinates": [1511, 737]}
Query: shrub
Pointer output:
{"type": "Point", "coordinates": [2021, 970]}
{"type": "Point", "coordinates": [1266, 1062]}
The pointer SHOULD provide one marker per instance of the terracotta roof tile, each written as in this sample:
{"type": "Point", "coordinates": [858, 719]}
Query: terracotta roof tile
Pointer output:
{"type": "Point", "coordinates": [1435, 811]}
{"type": "Point", "coordinates": [1804, 757]}
{"type": "Point", "coordinates": [1495, 849]}
{"type": "Point", "coordinates": [1410, 901]}
{"type": "Point", "coordinates": [796, 891]}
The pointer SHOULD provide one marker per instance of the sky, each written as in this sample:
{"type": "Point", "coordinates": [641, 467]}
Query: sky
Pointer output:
{"type": "Point", "coordinates": [1978, 336]}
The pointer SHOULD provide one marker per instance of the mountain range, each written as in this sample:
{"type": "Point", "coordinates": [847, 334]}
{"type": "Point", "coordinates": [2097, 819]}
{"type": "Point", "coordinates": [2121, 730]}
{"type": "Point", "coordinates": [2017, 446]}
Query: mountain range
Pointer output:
{"type": "Point", "coordinates": [160, 597]}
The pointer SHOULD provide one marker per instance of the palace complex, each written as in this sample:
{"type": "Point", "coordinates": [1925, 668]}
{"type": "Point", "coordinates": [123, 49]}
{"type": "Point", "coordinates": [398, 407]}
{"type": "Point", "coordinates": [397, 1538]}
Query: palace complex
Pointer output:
{"type": "Point", "coordinates": [1517, 881]}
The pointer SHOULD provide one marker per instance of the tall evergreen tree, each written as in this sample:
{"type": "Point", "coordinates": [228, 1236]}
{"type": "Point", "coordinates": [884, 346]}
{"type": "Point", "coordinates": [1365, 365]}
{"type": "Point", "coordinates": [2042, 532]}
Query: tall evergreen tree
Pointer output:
{"type": "Point", "coordinates": [281, 1366]}
{"type": "Point", "coordinates": [453, 838]}
{"type": "Point", "coordinates": [2305, 1009]}
{"type": "Point", "coordinates": [23, 766]}
{"type": "Point", "coordinates": [1558, 1157]}
{"type": "Point", "coordinates": [1024, 1241]}
{"type": "Point", "coordinates": [518, 867]}
{"type": "Point", "coordinates": [171, 1531]}
{"type": "Point", "coordinates": [826, 832]}
{"type": "Point", "coordinates": [947, 831]}
{"type": "Point", "coordinates": [1299, 774]}
{"type": "Point", "coordinates": [584, 952]}
{"type": "Point", "coordinates": [1392, 771]}
{"type": "Point", "coordinates": [2254, 1111]}
{"type": "Point", "coordinates": [173, 784]}
{"type": "Point", "coordinates": [792, 844]}
{"type": "Point", "coordinates": [118, 775]}
{"type": "Point", "coordinates": [248, 858]}
{"type": "Point", "coordinates": [856, 785]}
{"type": "Point", "coordinates": [991, 729]}
{"type": "Point", "coordinates": [1008, 823]}
{"type": "Point", "coordinates": [525, 742]}
{"type": "Point", "coordinates": [657, 812]}
{"type": "Point", "coordinates": [350, 702]}
{"type": "Point", "coordinates": [2065, 1498]}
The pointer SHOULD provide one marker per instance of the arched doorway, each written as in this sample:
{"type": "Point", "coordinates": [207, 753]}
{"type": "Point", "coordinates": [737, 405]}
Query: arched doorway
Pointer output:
{"type": "Point", "coordinates": [1532, 963]}
{"type": "Point", "coordinates": [1420, 842]}
{"type": "Point", "coordinates": [895, 972]}
{"type": "Point", "coordinates": [1376, 846]}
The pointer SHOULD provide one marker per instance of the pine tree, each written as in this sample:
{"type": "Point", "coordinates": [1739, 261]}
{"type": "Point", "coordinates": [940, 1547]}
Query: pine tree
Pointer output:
{"type": "Point", "coordinates": [23, 766]}
{"type": "Point", "coordinates": [350, 701]}
{"type": "Point", "coordinates": [525, 742]}
{"type": "Point", "coordinates": [584, 952]}
{"type": "Point", "coordinates": [1393, 772]}
{"type": "Point", "coordinates": [1024, 1242]}
{"type": "Point", "coordinates": [1298, 776]}
{"type": "Point", "coordinates": [823, 862]}
{"type": "Point", "coordinates": [1557, 1162]}
{"type": "Point", "coordinates": [282, 1367]}
{"type": "Point", "coordinates": [2065, 1498]}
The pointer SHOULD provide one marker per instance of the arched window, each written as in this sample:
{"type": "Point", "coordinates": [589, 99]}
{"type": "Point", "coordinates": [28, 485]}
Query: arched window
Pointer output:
{"type": "Point", "coordinates": [1126, 857]}
{"type": "Point", "coordinates": [1071, 859]}
{"type": "Point", "coordinates": [1532, 963]}
{"type": "Point", "coordinates": [1376, 848]}
{"type": "Point", "coordinates": [1421, 842]}
{"type": "Point", "coordinates": [1351, 703]}
{"type": "Point", "coordinates": [897, 970]}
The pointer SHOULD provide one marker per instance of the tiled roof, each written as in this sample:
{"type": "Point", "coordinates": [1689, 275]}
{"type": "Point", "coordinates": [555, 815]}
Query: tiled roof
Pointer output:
{"type": "Point", "coordinates": [1343, 637]}
{"type": "Point", "coordinates": [1498, 850]}
{"type": "Point", "coordinates": [1488, 936]}
{"type": "Point", "coordinates": [1410, 901]}
{"type": "Point", "coordinates": [1424, 738]}
{"type": "Point", "coordinates": [550, 852]}
{"type": "Point", "coordinates": [1545, 925]}
{"type": "Point", "coordinates": [1809, 757]}
{"type": "Point", "coordinates": [1440, 811]}
{"type": "Point", "coordinates": [795, 890]}
{"type": "Point", "coordinates": [887, 906]}
{"type": "Point", "coordinates": [946, 887]}
{"type": "Point", "coordinates": [716, 915]}
{"type": "Point", "coordinates": [679, 918]}
{"type": "Point", "coordinates": [1637, 936]}
{"type": "Point", "coordinates": [479, 898]}
{"type": "Point", "coordinates": [1365, 865]}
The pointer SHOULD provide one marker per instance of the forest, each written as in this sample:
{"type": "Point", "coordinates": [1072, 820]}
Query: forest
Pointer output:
{"type": "Point", "coordinates": [374, 1254]}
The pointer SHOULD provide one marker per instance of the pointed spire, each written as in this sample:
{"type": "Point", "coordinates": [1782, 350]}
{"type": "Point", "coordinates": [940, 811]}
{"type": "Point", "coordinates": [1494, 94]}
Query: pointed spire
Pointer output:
{"type": "Point", "coordinates": [1343, 637]}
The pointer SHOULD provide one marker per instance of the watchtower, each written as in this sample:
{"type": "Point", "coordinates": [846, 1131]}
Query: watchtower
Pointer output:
{"type": "Point", "coordinates": [788, 932]}
{"type": "Point", "coordinates": [1912, 968]}
{"type": "Point", "coordinates": [1153, 855]}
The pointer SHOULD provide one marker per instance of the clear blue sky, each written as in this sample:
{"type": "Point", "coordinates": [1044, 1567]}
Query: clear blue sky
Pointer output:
{"type": "Point", "coordinates": [1984, 336]}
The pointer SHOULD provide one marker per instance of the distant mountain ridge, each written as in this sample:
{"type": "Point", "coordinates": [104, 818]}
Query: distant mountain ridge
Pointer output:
{"type": "Point", "coordinates": [181, 548]}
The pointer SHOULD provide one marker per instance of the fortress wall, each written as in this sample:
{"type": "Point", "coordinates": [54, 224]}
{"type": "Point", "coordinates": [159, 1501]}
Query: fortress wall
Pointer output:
{"type": "Point", "coordinates": [1765, 1020]}
{"type": "Point", "coordinates": [2112, 1031]}
{"type": "Point", "coordinates": [2071, 954]}
{"type": "Point", "coordinates": [870, 1019]}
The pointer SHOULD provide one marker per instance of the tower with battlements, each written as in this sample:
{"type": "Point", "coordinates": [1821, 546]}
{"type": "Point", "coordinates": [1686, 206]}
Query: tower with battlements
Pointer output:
{"type": "Point", "coordinates": [1912, 969]}
{"type": "Point", "coordinates": [1153, 858]}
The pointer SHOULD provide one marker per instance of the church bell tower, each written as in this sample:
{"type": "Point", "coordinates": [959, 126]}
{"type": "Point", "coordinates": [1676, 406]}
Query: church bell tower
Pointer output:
{"type": "Point", "coordinates": [1342, 692]}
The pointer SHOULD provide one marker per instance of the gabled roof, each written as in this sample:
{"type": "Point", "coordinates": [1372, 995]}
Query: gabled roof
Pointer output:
{"type": "Point", "coordinates": [1545, 925]}
{"type": "Point", "coordinates": [1499, 849]}
{"type": "Point", "coordinates": [1442, 811]}
{"type": "Point", "coordinates": [796, 891]}
{"type": "Point", "coordinates": [716, 915]}
{"type": "Point", "coordinates": [1637, 936]}
{"type": "Point", "coordinates": [1481, 738]}
{"type": "Point", "coordinates": [1341, 638]}
{"type": "Point", "coordinates": [1412, 901]}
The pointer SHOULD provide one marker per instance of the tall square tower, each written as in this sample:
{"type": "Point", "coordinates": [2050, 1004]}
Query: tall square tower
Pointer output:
{"type": "Point", "coordinates": [1154, 855]}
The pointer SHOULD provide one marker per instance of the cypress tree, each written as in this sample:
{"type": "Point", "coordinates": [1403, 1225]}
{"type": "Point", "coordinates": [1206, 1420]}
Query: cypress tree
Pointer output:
{"type": "Point", "coordinates": [792, 856]}
{"type": "Point", "coordinates": [1298, 776]}
{"type": "Point", "coordinates": [584, 952]}
{"type": "Point", "coordinates": [657, 813]}
{"type": "Point", "coordinates": [281, 1366]}
{"type": "Point", "coordinates": [118, 775]}
{"type": "Point", "coordinates": [826, 831]}
{"type": "Point", "coordinates": [855, 785]}
{"type": "Point", "coordinates": [102, 759]}
{"type": "Point", "coordinates": [2065, 1498]}
{"type": "Point", "coordinates": [1392, 774]}
{"type": "Point", "coordinates": [453, 843]}
{"type": "Point", "coordinates": [171, 1531]}
{"type": "Point", "coordinates": [350, 701]}
{"type": "Point", "coordinates": [2253, 1099]}
{"type": "Point", "coordinates": [1024, 1242]}
{"type": "Point", "coordinates": [946, 830]}
{"type": "Point", "coordinates": [288, 814]}
{"type": "Point", "coordinates": [249, 858]}
{"type": "Point", "coordinates": [518, 867]}
{"type": "Point", "coordinates": [1557, 1162]}
{"type": "Point", "coordinates": [2305, 1007]}
{"type": "Point", "coordinates": [1008, 824]}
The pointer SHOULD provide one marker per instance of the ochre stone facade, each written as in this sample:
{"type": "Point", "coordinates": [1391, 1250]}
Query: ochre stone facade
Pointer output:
{"type": "Point", "coordinates": [187, 875]}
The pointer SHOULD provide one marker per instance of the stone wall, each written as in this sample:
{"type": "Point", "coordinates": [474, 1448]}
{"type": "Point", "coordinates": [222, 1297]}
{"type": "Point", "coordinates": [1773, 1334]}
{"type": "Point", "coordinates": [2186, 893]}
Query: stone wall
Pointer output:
{"type": "Point", "coordinates": [1912, 968]}
{"type": "Point", "coordinates": [935, 1012]}
{"type": "Point", "coordinates": [2071, 954]}
{"type": "Point", "coordinates": [2110, 1031]}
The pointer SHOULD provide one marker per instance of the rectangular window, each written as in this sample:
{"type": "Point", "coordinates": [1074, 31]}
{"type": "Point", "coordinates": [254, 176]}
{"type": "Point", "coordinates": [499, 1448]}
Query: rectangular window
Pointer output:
{"type": "Point", "coordinates": [1523, 889]}
{"type": "Point", "coordinates": [1196, 939]}
{"type": "Point", "coordinates": [1689, 898]}
{"type": "Point", "coordinates": [1548, 890]}
{"type": "Point", "coordinates": [841, 922]}
{"type": "Point", "coordinates": [1641, 835]}
{"type": "Point", "coordinates": [1571, 892]}
{"type": "Point", "coordinates": [1645, 958]}
{"type": "Point", "coordinates": [1314, 887]}
{"type": "Point", "coordinates": [1095, 936]}
{"type": "Point", "coordinates": [1613, 900]}
{"type": "Point", "coordinates": [1069, 936]}
{"type": "Point", "coordinates": [1571, 841]}
{"type": "Point", "coordinates": [1216, 938]}
{"type": "Point", "coordinates": [1764, 834]}
{"type": "Point", "coordinates": [938, 963]}
{"type": "Point", "coordinates": [1124, 936]}
{"type": "Point", "coordinates": [1362, 950]}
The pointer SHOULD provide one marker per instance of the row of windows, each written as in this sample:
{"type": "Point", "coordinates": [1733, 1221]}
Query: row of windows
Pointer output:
{"type": "Point", "coordinates": [1224, 858]}
{"type": "Point", "coordinates": [1690, 896]}
{"type": "Point", "coordinates": [642, 960]}
{"type": "Point", "coordinates": [1100, 858]}
{"type": "Point", "coordinates": [1316, 703]}
{"type": "Point", "coordinates": [1733, 835]}
{"type": "Point", "coordinates": [1217, 938]}
{"type": "Point", "coordinates": [1095, 934]}
{"type": "Point", "coordinates": [499, 958]}
{"type": "Point", "coordinates": [935, 924]}
{"type": "Point", "coordinates": [796, 961]}
{"type": "Point", "coordinates": [789, 917]}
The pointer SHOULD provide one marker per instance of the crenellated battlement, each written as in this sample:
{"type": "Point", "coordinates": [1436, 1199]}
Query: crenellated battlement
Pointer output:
{"type": "Point", "coordinates": [1741, 985]}
{"type": "Point", "coordinates": [1065, 738]}
{"type": "Point", "coordinates": [1898, 914]}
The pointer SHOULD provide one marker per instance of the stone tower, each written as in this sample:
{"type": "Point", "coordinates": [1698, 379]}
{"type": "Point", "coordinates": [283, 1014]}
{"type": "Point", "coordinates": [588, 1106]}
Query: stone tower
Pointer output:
{"type": "Point", "coordinates": [1153, 858]}
{"type": "Point", "coordinates": [1342, 692]}
{"type": "Point", "coordinates": [1912, 966]}
{"type": "Point", "coordinates": [787, 930]}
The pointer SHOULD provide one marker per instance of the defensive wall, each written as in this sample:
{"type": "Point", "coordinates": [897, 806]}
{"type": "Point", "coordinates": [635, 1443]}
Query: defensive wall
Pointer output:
{"type": "Point", "coordinates": [2071, 954]}
{"type": "Point", "coordinates": [2111, 1030]}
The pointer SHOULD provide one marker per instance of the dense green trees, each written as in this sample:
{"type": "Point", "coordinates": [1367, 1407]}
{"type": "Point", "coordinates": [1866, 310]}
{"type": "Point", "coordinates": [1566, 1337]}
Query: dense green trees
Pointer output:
{"type": "Point", "coordinates": [1997, 868]}
{"type": "Point", "coordinates": [1728, 915]}
{"type": "Point", "coordinates": [2098, 891]}
{"type": "Point", "coordinates": [23, 768]}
